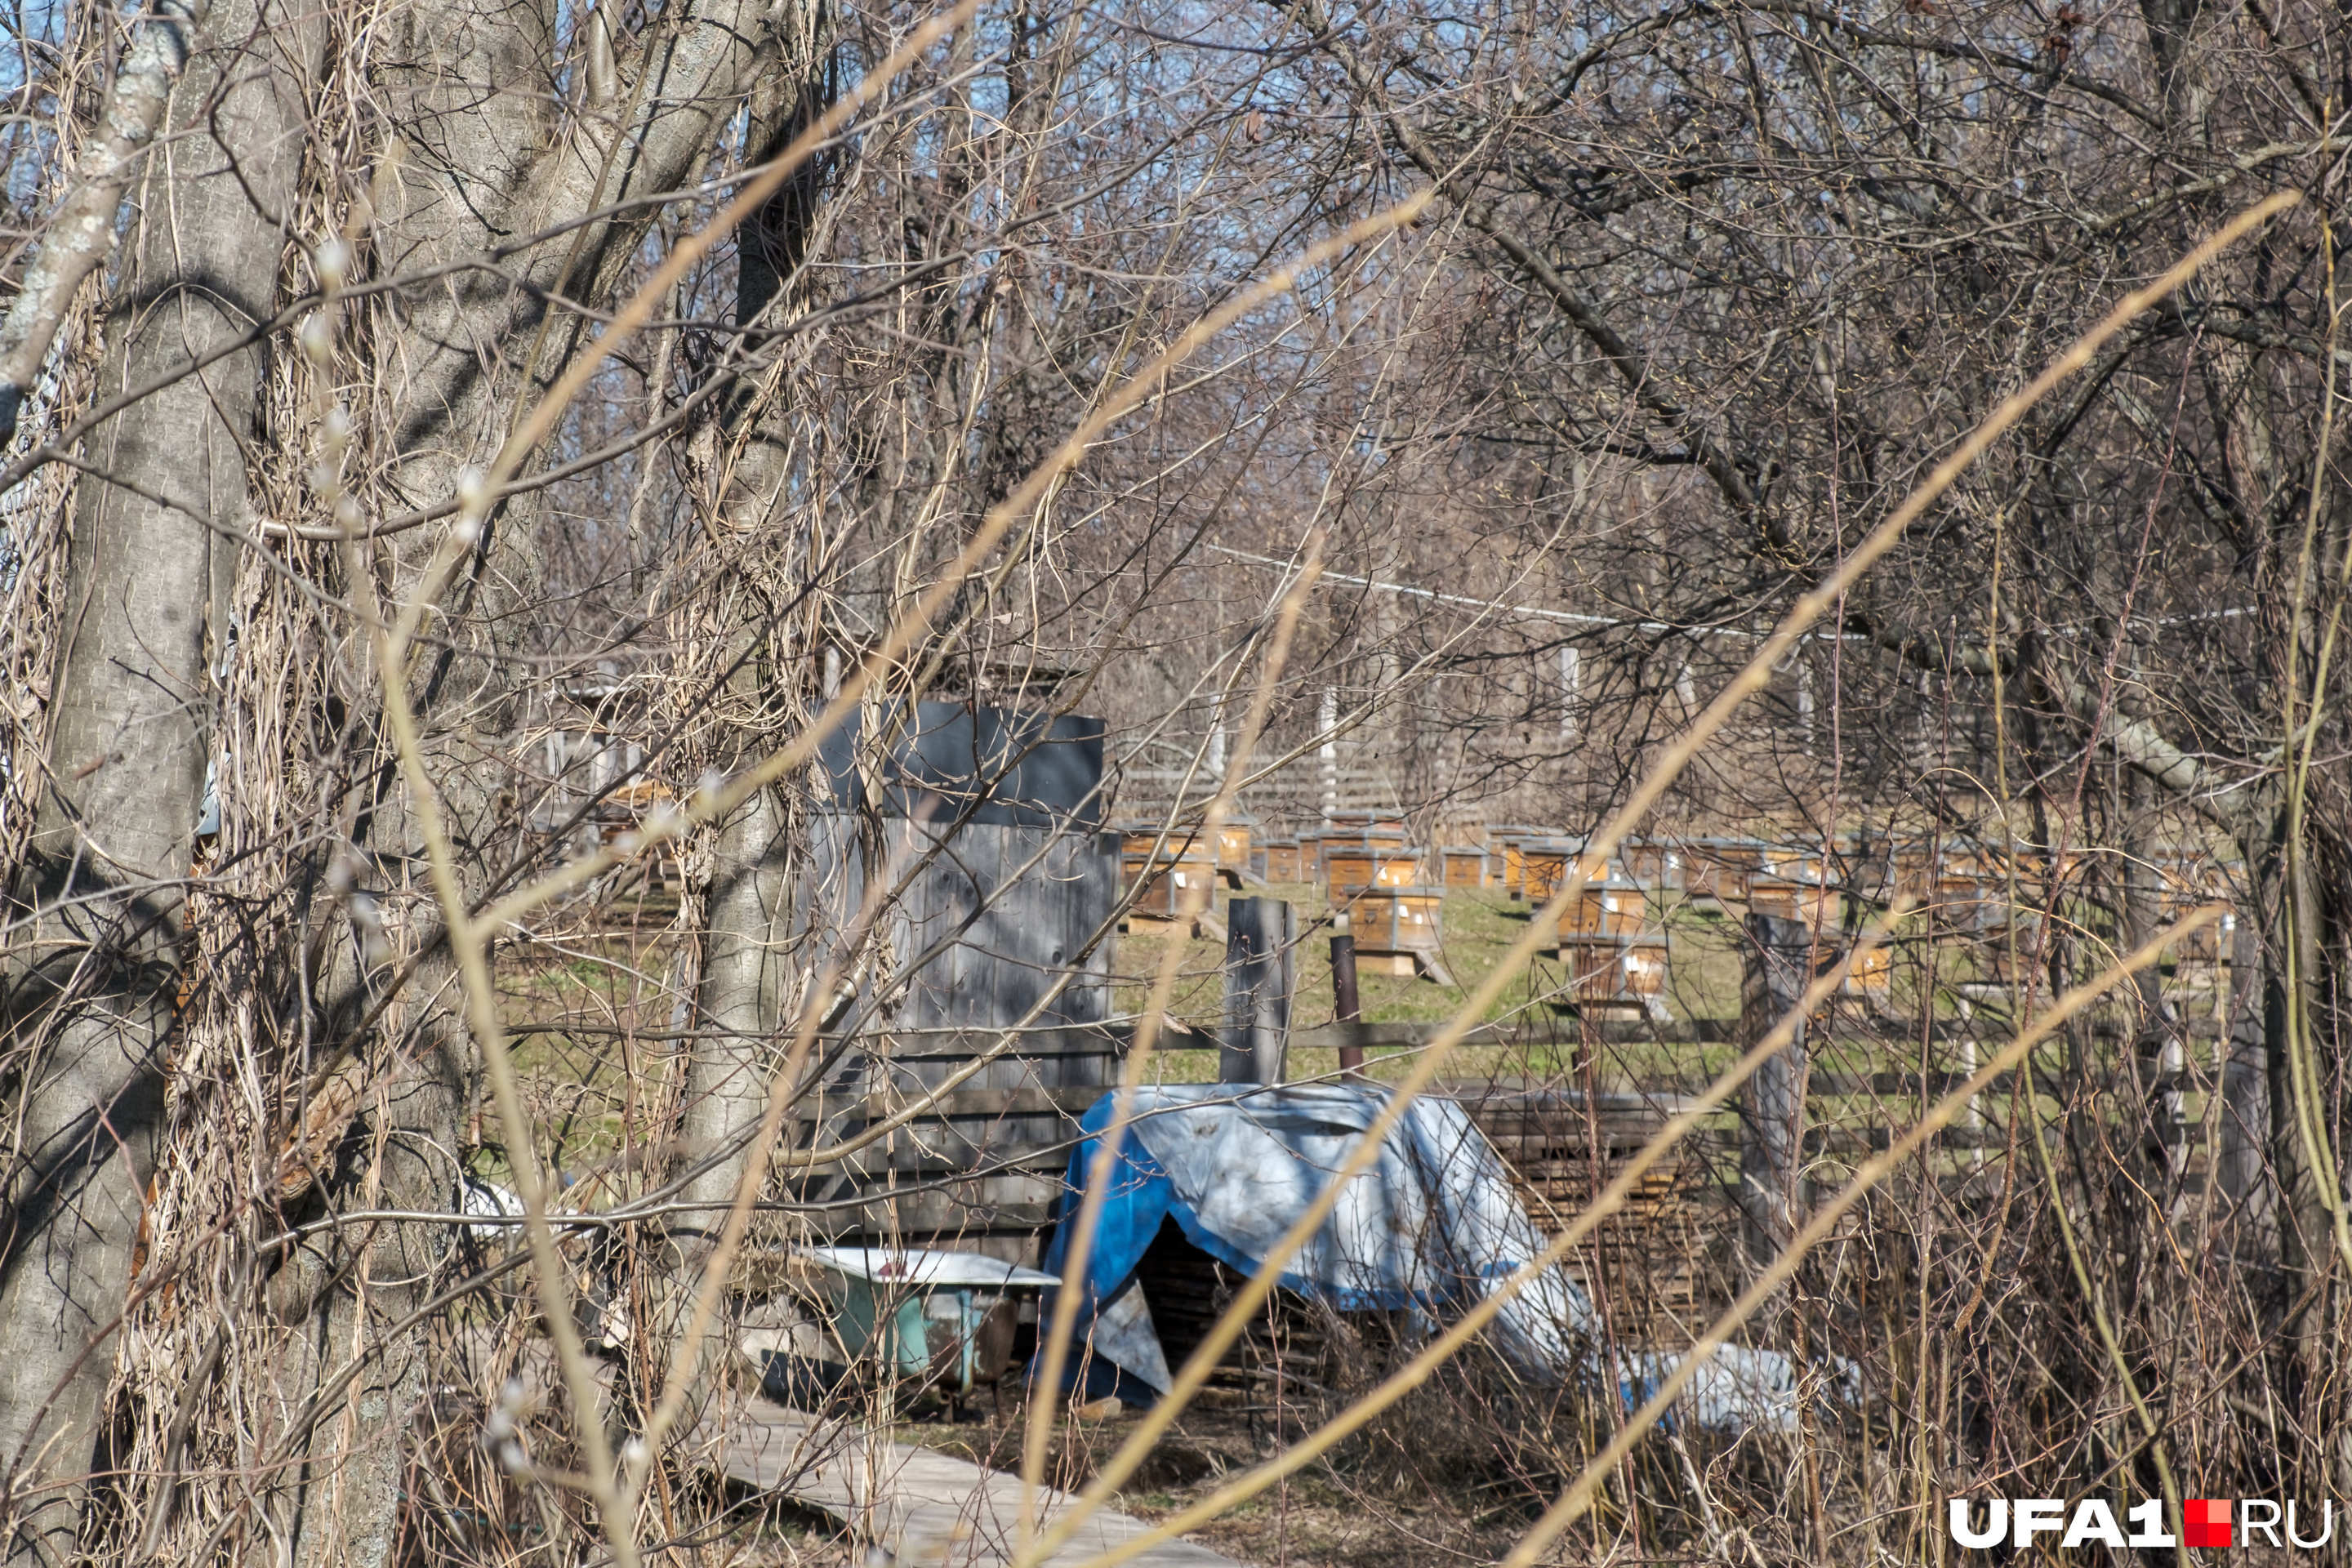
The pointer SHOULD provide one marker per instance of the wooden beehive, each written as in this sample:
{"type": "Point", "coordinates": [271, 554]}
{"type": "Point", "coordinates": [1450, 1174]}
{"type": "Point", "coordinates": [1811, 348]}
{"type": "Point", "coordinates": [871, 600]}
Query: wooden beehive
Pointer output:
{"type": "Point", "coordinates": [1396, 919]}
{"type": "Point", "coordinates": [1350, 864]}
{"type": "Point", "coordinates": [1625, 970]}
{"type": "Point", "coordinates": [1506, 857]}
{"type": "Point", "coordinates": [1169, 884]}
{"type": "Point", "coordinates": [1651, 863]}
{"type": "Point", "coordinates": [1546, 864]}
{"type": "Point", "coordinates": [1234, 850]}
{"type": "Point", "coordinates": [1804, 900]}
{"type": "Point", "coordinates": [1866, 865]}
{"type": "Point", "coordinates": [1399, 931]}
{"type": "Point", "coordinates": [1975, 863]}
{"type": "Point", "coordinates": [1915, 875]}
{"type": "Point", "coordinates": [1463, 866]}
{"type": "Point", "coordinates": [1964, 903]}
{"type": "Point", "coordinates": [2199, 959]}
{"type": "Point", "coordinates": [1146, 844]}
{"type": "Point", "coordinates": [2014, 948]}
{"type": "Point", "coordinates": [1719, 868]}
{"type": "Point", "coordinates": [2186, 888]}
{"type": "Point", "coordinates": [1280, 861]}
{"type": "Point", "coordinates": [1332, 838]}
{"type": "Point", "coordinates": [1167, 872]}
{"type": "Point", "coordinates": [1871, 980]}
{"type": "Point", "coordinates": [1791, 865]}
{"type": "Point", "coordinates": [1613, 907]}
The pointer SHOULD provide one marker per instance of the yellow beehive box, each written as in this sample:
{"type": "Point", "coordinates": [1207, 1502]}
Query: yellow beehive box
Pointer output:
{"type": "Point", "coordinates": [1233, 847]}
{"type": "Point", "coordinates": [1506, 856]}
{"type": "Point", "coordinates": [1393, 919]}
{"type": "Point", "coordinates": [1872, 976]}
{"type": "Point", "coordinates": [1350, 864]}
{"type": "Point", "coordinates": [1399, 932]}
{"type": "Point", "coordinates": [1806, 901]}
{"type": "Point", "coordinates": [1615, 907]}
{"type": "Point", "coordinates": [1546, 867]}
{"type": "Point", "coordinates": [1169, 872]}
{"type": "Point", "coordinates": [1281, 860]}
{"type": "Point", "coordinates": [1619, 969]}
{"type": "Point", "coordinates": [1463, 866]}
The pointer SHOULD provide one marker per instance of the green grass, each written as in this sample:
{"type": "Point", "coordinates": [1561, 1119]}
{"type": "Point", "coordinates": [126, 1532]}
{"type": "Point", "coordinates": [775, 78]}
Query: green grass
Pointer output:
{"type": "Point", "coordinates": [570, 1064]}
{"type": "Point", "coordinates": [577, 1083]}
{"type": "Point", "coordinates": [1479, 931]}
{"type": "Point", "coordinates": [1703, 973]}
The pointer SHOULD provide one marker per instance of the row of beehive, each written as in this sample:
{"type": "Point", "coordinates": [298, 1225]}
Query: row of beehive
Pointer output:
{"type": "Point", "coordinates": [1395, 911]}
{"type": "Point", "coordinates": [1717, 866]}
{"type": "Point", "coordinates": [1382, 882]}
{"type": "Point", "coordinates": [1970, 887]}
{"type": "Point", "coordinates": [1398, 922]}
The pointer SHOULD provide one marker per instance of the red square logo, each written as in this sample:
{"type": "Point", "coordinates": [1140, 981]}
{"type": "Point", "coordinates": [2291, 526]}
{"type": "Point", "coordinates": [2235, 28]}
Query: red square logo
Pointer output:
{"type": "Point", "coordinates": [2205, 1522]}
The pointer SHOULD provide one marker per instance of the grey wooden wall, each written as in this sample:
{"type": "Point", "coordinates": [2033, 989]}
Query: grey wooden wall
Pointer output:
{"type": "Point", "coordinates": [976, 940]}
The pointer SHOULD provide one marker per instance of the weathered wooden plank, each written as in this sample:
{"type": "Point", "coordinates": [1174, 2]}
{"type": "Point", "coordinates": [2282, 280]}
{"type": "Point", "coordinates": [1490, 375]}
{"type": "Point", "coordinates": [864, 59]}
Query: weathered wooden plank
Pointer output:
{"type": "Point", "coordinates": [1000, 1089]}
{"type": "Point", "coordinates": [943, 1159]}
{"type": "Point", "coordinates": [1029, 1100]}
{"type": "Point", "coordinates": [1112, 1038]}
{"type": "Point", "coordinates": [918, 1505]}
{"type": "Point", "coordinates": [1857, 1140]}
{"type": "Point", "coordinates": [1888, 1085]}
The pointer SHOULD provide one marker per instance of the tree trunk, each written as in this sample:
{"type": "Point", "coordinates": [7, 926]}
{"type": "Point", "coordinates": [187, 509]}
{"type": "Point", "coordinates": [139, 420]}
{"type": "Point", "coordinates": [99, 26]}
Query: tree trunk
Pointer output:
{"type": "Point", "coordinates": [351, 1492]}
{"type": "Point", "coordinates": [2245, 1097]}
{"type": "Point", "coordinates": [742, 1004]}
{"type": "Point", "coordinates": [743, 992]}
{"type": "Point", "coordinates": [149, 600]}
{"type": "Point", "coordinates": [2305, 1244]}
{"type": "Point", "coordinates": [475, 169]}
{"type": "Point", "coordinates": [2157, 1039]}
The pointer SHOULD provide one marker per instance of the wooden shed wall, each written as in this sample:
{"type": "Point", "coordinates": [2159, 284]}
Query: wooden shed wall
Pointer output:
{"type": "Point", "coordinates": [987, 928]}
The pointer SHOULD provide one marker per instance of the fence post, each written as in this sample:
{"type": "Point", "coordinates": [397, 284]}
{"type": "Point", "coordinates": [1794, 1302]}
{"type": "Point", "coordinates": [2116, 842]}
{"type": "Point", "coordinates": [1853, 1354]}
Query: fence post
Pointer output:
{"type": "Point", "coordinates": [1772, 1120]}
{"type": "Point", "coordinates": [1260, 934]}
{"type": "Point", "coordinates": [1345, 1007]}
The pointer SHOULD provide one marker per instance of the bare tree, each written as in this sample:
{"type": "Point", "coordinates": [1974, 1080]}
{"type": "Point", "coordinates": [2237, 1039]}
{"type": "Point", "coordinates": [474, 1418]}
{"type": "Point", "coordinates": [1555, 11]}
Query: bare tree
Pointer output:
{"type": "Point", "coordinates": [444, 504]}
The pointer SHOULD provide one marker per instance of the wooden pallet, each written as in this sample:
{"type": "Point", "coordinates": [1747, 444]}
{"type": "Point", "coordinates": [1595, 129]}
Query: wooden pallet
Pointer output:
{"type": "Point", "coordinates": [914, 1505]}
{"type": "Point", "coordinates": [1643, 1257]}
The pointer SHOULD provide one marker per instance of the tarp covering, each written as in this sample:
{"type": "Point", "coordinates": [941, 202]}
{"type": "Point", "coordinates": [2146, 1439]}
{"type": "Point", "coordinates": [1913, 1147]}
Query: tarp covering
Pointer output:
{"type": "Point", "coordinates": [1429, 1227]}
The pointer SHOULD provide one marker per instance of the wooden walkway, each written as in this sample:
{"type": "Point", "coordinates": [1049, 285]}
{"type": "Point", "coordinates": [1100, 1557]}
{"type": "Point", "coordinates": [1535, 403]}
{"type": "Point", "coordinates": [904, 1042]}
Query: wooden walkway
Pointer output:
{"type": "Point", "coordinates": [923, 1508]}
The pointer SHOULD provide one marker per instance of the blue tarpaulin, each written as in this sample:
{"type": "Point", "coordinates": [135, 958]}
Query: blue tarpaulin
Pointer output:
{"type": "Point", "coordinates": [1428, 1228]}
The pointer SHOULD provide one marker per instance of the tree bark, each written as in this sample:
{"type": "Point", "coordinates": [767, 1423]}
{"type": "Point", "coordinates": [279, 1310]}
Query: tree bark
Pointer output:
{"type": "Point", "coordinates": [741, 1005]}
{"type": "Point", "coordinates": [2245, 1097]}
{"type": "Point", "coordinates": [2306, 1250]}
{"type": "Point", "coordinates": [80, 235]}
{"type": "Point", "coordinates": [473, 169]}
{"type": "Point", "coordinates": [750, 912]}
{"type": "Point", "coordinates": [150, 587]}
{"type": "Point", "coordinates": [352, 1491]}
{"type": "Point", "coordinates": [2159, 1039]}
